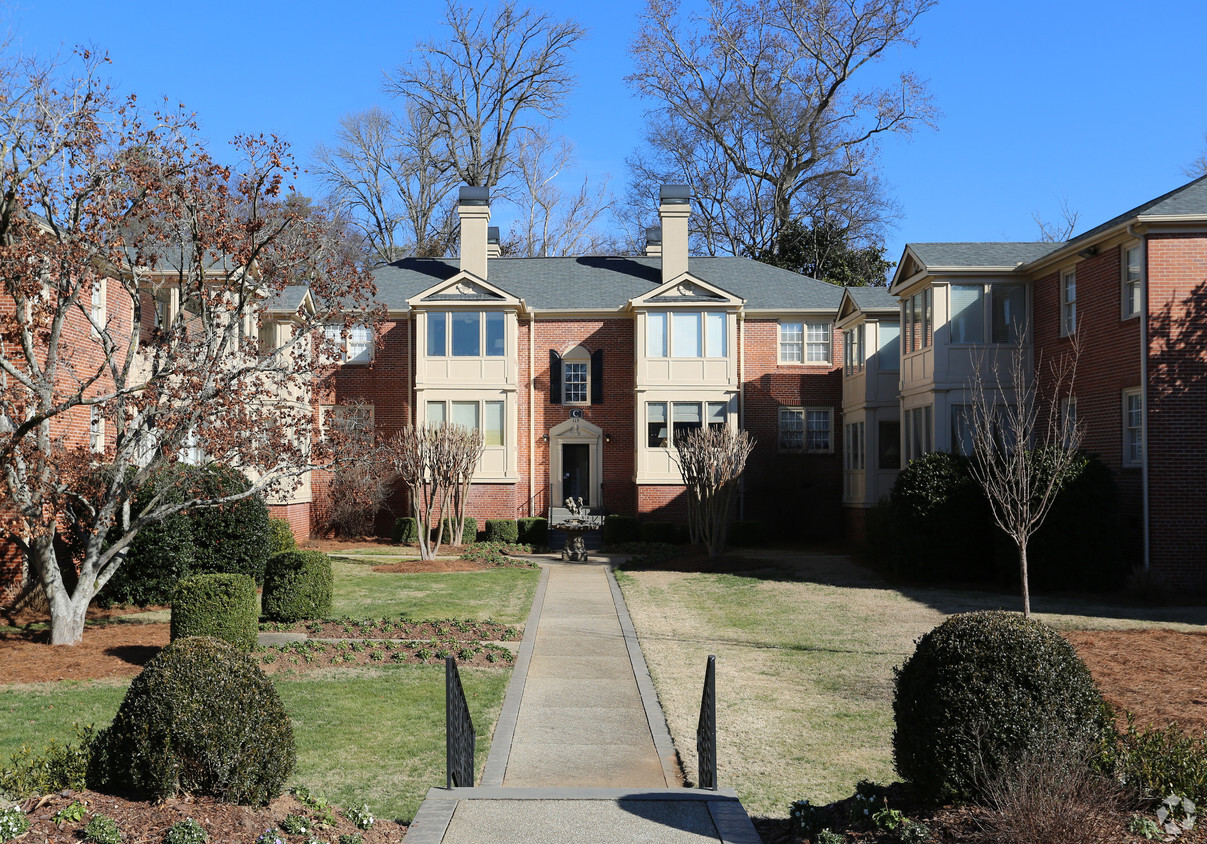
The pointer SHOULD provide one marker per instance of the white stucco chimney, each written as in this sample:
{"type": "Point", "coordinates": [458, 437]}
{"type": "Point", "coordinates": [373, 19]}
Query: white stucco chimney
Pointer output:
{"type": "Point", "coordinates": [653, 242]}
{"type": "Point", "coordinates": [473, 207]}
{"type": "Point", "coordinates": [673, 210]}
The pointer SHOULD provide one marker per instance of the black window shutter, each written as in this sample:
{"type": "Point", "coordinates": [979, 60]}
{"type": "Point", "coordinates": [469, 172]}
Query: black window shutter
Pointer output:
{"type": "Point", "coordinates": [555, 377]}
{"type": "Point", "coordinates": [597, 376]}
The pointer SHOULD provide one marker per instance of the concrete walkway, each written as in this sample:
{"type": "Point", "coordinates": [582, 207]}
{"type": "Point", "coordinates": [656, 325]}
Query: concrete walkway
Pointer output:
{"type": "Point", "coordinates": [581, 752]}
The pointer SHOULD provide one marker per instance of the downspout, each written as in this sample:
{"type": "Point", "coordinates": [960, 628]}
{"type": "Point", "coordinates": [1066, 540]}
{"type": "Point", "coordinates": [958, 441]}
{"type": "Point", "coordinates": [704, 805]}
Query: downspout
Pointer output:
{"type": "Point", "coordinates": [411, 348]}
{"type": "Point", "coordinates": [741, 406]}
{"type": "Point", "coordinates": [1144, 506]}
{"type": "Point", "coordinates": [531, 410]}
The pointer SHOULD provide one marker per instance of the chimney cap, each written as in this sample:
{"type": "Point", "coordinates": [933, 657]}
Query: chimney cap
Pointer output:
{"type": "Point", "coordinates": [675, 194]}
{"type": "Point", "coordinates": [492, 234]}
{"type": "Point", "coordinates": [653, 235]}
{"type": "Point", "coordinates": [473, 195]}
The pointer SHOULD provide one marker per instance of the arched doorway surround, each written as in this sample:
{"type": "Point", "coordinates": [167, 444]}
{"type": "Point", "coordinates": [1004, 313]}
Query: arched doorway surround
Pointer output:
{"type": "Point", "coordinates": [576, 462]}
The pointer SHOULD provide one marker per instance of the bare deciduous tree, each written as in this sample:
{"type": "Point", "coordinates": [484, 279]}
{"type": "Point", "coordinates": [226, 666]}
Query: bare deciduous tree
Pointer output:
{"type": "Point", "coordinates": [102, 209]}
{"type": "Point", "coordinates": [499, 72]}
{"type": "Point", "coordinates": [1058, 232]}
{"type": "Point", "coordinates": [712, 460]}
{"type": "Point", "coordinates": [385, 174]}
{"type": "Point", "coordinates": [758, 107]}
{"type": "Point", "coordinates": [436, 464]}
{"type": "Point", "coordinates": [553, 223]}
{"type": "Point", "coordinates": [1198, 167]}
{"type": "Point", "coordinates": [360, 481]}
{"type": "Point", "coordinates": [1025, 443]}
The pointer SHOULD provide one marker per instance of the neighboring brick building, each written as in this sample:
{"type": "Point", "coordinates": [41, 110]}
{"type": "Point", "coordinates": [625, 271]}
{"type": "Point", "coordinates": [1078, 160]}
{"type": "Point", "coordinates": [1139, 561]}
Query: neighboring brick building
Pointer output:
{"type": "Point", "coordinates": [579, 371]}
{"type": "Point", "coordinates": [1134, 291]}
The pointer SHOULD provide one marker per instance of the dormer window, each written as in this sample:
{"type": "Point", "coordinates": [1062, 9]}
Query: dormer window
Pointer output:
{"type": "Point", "coordinates": [466, 334]}
{"type": "Point", "coordinates": [687, 334]}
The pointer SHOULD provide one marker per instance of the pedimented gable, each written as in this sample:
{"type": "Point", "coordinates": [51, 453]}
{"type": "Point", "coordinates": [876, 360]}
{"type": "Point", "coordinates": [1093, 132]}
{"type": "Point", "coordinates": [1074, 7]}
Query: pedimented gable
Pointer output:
{"type": "Point", "coordinates": [687, 290]}
{"type": "Point", "coordinates": [464, 288]}
{"type": "Point", "coordinates": [847, 307]}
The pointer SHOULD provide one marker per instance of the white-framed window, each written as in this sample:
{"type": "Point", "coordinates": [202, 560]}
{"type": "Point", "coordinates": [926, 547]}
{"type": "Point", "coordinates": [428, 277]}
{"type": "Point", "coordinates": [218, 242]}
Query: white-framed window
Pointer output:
{"type": "Point", "coordinates": [161, 301]}
{"type": "Point", "coordinates": [1133, 427]}
{"type": "Point", "coordinates": [466, 334]}
{"type": "Point", "coordinates": [917, 320]}
{"type": "Point", "coordinates": [1133, 281]}
{"type": "Point", "coordinates": [266, 336]}
{"type": "Point", "coordinates": [888, 356]}
{"type": "Point", "coordinates": [191, 450]}
{"type": "Point", "coordinates": [853, 447]}
{"type": "Point", "coordinates": [356, 347]}
{"type": "Point", "coordinates": [354, 421]}
{"type": "Point", "coordinates": [575, 382]}
{"type": "Point", "coordinates": [1068, 303]}
{"type": "Point", "coordinates": [96, 430]}
{"type": "Point", "coordinates": [996, 311]}
{"type": "Point", "coordinates": [919, 432]}
{"type": "Point", "coordinates": [808, 429]}
{"type": "Point", "coordinates": [805, 342]}
{"type": "Point", "coordinates": [666, 422]}
{"type": "Point", "coordinates": [97, 311]}
{"type": "Point", "coordinates": [485, 415]}
{"type": "Point", "coordinates": [687, 334]}
{"type": "Point", "coordinates": [852, 350]}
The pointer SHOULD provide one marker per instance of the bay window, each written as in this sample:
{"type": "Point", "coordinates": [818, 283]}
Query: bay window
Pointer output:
{"type": "Point", "coordinates": [687, 334]}
{"type": "Point", "coordinates": [466, 334]}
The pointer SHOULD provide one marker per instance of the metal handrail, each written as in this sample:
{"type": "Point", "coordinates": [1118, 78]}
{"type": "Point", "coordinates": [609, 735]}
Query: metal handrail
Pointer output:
{"type": "Point", "coordinates": [459, 729]}
{"type": "Point", "coordinates": [706, 731]}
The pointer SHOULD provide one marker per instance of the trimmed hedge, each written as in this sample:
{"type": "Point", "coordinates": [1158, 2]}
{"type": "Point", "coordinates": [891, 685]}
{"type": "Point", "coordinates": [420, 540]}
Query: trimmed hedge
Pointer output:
{"type": "Point", "coordinates": [232, 538]}
{"type": "Point", "coordinates": [280, 536]}
{"type": "Point", "coordinates": [533, 532]}
{"type": "Point", "coordinates": [980, 690]}
{"type": "Point", "coordinates": [406, 531]}
{"type": "Point", "coordinates": [219, 605]}
{"type": "Point", "coordinates": [502, 530]}
{"type": "Point", "coordinates": [618, 530]}
{"type": "Point", "coordinates": [201, 718]}
{"type": "Point", "coordinates": [468, 537]}
{"type": "Point", "coordinates": [657, 531]}
{"type": "Point", "coordinates": [297, 585]}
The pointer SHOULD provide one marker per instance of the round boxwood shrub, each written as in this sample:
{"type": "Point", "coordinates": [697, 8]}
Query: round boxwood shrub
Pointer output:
{"type": "Point", "coordinates": [280, 536]}
{"type": "Point", "coordinates": [297, 585]}
{"type": "Point", "coordinates": [218, 605]}
{"type": "Point", "coordinates": [406, 531]}
{"type": "Point", "coordinates": [979, 690]}
{"type": "Point", "coordinates": [201, 718]}
{"type": "Point", "coordinates": [468, 536]}
{"type": "Point", "coordinates": [533, 531]}
{"type": "Point", "coordinates": [234, 537]}
{"type": "Point", "coordinates": [502, 530]}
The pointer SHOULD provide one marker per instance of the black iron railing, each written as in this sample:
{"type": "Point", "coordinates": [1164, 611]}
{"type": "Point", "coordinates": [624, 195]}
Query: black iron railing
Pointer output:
{"type": "Point", "coordinates": [459, 728]}
{"type": "Point", "coordinates": [706, 732]}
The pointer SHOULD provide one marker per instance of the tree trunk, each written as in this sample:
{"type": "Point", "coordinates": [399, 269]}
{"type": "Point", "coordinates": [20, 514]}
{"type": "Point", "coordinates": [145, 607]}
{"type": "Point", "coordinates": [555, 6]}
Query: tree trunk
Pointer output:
{"type": "Point", "coordinates": [1022, 568]}
{"type": "Point", "coordinates": [67, 611]}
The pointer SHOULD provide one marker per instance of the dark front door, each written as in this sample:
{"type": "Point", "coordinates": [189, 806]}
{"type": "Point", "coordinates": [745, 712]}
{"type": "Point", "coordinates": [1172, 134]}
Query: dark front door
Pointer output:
{"type": "Point", "coordinates": [576, 472]}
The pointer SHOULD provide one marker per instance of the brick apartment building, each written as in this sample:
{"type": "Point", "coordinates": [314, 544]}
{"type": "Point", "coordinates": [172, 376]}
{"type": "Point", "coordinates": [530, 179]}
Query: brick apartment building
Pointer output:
{"type": "Point", "coordinates": [1133, 291]}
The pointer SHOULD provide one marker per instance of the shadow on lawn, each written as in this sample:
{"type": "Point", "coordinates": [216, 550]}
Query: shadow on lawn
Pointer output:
{"type": "Point", "coordinates": [842, 571]}
{"type": "Point", "coordinates": [133, 654]}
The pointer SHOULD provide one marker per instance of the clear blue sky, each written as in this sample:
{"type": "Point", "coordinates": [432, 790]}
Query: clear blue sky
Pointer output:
{"type": "Point", "coordinates": [1100, 103]}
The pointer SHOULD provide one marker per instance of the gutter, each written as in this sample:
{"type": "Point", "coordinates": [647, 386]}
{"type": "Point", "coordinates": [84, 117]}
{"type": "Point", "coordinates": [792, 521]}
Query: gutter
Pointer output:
{"type": "Point", "coordinates": [1144, 504]}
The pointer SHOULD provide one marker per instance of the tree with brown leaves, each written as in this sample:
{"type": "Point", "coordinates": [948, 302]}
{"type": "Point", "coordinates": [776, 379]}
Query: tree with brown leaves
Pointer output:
{"type": "Point", "coordinates": [149, 298]}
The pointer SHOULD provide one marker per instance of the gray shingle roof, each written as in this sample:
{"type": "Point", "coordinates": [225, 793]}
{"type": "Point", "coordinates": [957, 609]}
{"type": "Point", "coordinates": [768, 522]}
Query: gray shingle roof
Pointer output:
{"type": "Point", "coordinates": [976, 255]}
{"type": "Point", "coordinates": [873, 298]}
{"type": "Point", "coordinates": [602, 284]}
{"type": "Point", "coordinates": [1188, 200]}
{"type": "Point", "coordinates": [287, 300]}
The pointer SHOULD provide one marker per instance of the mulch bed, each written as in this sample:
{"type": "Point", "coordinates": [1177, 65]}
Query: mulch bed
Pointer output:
{"type": "Point", "coordinates": [146, 823]}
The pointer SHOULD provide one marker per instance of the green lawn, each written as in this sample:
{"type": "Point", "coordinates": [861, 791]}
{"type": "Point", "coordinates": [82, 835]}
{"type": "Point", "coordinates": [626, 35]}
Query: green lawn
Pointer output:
{"type": "Point", "coordinates": [363, 734]}
{"type": "Point", "coordinates": [805, 659]}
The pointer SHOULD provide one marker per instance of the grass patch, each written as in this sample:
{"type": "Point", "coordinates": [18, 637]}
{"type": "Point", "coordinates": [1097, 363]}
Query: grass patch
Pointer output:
{"type": "Point", "coordinates": [363, 735]}
{"type": "Point", "coordinates": [805, 658]}
{"type": "Point", "coordinates": [502, 594]}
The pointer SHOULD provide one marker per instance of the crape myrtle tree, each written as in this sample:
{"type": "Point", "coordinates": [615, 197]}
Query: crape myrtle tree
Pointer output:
{"type": "Point", "coordinates": [771, 111]}
{"type": "Point", "coordinates": [107, 211]}
{"type": "Point", "coordinates": [436, 464]}
{"type": "Point", "coordinates": [1025, 442]}
{"type": "Point", "coordinates": [712, 460]}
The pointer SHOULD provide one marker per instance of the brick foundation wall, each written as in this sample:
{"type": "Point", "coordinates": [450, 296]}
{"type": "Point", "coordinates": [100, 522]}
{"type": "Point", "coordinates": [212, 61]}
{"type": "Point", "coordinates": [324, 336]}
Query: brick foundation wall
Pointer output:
{"type": "Point", "coordinates": [298, 516]}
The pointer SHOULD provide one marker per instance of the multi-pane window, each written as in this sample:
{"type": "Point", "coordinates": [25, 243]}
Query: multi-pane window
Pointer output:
{"type": "Point", "coordinates": [266, 336]}
{"type": "Point", "coordinates": [485, 416]}
{"type": "Point", "coordinates": [353, 422]}
{"type": "Point", "coordinates": [96, 430]}
{"type": "Point", "coordinates": [98, 305]}
{"type": "Point", "coordinates": [853, 451]}
{"type": "Point", "coordinates": [916, 317]}
{"type": "Point", "coordinates": [687, 334]}
{"type": "Point", "coordinates": [817, 342]}
{"type": "Point", "coordinates": [806, 429]}
{"type": "Point", "coordinates": [684, 417]}
{"type": "Point", "coordinates": [1132, 285]}
{"type": "Point", "coordinates": [852, 349]}
{"type": "Point", "coordinates": [1007, 305]}
{"type": "Point", "coordinates": [1068, 302]}
{"type": "Point", "coordinates": [805, 342]}
{"type": "Point", "coordinates": [919, 432]}
{"type": "Point", "coordinates": [353, 346]}
{"type": "Point", "coordinates": [574, 382]}
{"type": "Point", "coordinates": [792, 342]}
{"type": "Point", "coordinates": [466, 334]}
{"type": "Point", "coordinates": [888, 441]}
{"type": "Point", "coordinates": [1133, 427]}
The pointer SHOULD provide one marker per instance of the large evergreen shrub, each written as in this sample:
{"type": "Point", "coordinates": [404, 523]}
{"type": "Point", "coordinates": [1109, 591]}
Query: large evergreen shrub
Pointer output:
{"type": "Point", "coordinates": [218, 605]}
{"type": "Point", "coordinates": [406, 531]}
{"type": "Point", "coordinates": [619, 529]}
{"type": "Point", "coordinates": [502, 530]}
{"type": "Point", "coordinates": [281, 536]}
{"type": "Point", "coordinates": [201, 718]}
{"type": "Point", "coordinates": [297, 585]}
{"type": "Point", "coordinates": [233, 538]}
{"type": "Point", "coordinates": [533, 532]}
{"type": "Point", "coordinates": [979, 691]}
